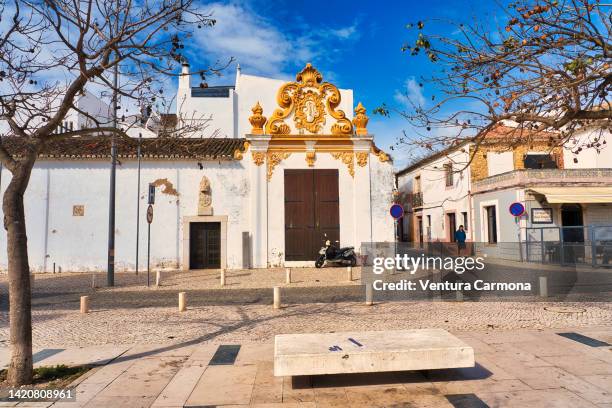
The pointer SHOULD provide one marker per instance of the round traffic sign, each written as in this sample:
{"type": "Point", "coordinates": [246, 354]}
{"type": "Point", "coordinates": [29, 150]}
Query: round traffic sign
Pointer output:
{"type": "Point", "coordinates": [396, 211]}
{"type": "Point", "coordinates": [150, 214]}
{"type": "Point", "coordinates": [517, 209]}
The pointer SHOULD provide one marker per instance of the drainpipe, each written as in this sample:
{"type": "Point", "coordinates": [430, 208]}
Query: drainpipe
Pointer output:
{"type": "Point", "coordinates": [472, 217]}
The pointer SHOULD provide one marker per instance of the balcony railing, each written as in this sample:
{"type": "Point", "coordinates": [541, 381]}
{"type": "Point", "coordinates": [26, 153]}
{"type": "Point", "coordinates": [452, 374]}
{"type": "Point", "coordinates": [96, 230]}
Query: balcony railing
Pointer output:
{"type": "Point", "coordinates": [548, 177]}
{"type": "Point", "coordinates": [417, 200]}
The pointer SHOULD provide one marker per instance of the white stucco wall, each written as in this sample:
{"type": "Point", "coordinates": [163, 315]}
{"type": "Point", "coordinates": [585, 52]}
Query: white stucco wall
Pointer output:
{"type": "Point", "coordinates": [499, 162]}
{"type": "Point", "coordinates": [589, 157]}
{"type": "Point", "coordinates": [79, 243]}
{"type": "Point", "coordinates": [382, 184]}
{"type": "Point", "coordinates": [229, 116]}
{"type": "Point", "coordinates": [439, 199]}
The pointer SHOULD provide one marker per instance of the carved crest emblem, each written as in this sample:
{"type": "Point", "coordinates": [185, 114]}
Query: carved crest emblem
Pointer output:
{"type": "Point", "coordinates": [310, 100]}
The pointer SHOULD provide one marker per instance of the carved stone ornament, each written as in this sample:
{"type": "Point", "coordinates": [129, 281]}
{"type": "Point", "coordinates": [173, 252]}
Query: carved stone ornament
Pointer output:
{"type": "Point", "coordinates": [362, 158]}
{"type": "Point", "coordinates": [360, 120]}
{"type": "Point", "coordinates": [274, 159]}
{"type": "Point", "coordinates": [347, 158]}
{"type": "Point", "coordinates": [257, 120]}
{"type": "Point", "coordinates": [310, 100]}
{"type": "Point", "coordinates": [310, 158]}
{"type": "Point", "coordinates": [258, 158]}
{"type": "Point", "coordinates": [204, 197]}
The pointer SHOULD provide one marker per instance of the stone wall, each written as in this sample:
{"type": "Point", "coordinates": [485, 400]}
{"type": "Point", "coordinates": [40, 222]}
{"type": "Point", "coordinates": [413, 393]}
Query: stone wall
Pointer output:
{"type": "Point", "coordinates": [479, 167]}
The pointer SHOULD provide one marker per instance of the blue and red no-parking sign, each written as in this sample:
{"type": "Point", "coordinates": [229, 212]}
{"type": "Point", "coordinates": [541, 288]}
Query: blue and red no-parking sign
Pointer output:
{"type": "Point", "coordinates": [517, 209]}
{"type": "Point", "coordinates": [396, 211]}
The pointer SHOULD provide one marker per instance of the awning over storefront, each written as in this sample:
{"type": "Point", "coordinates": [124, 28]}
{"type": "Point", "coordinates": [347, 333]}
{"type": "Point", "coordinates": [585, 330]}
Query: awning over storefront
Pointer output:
{"type": "Point", "coordinates": [575, 194]}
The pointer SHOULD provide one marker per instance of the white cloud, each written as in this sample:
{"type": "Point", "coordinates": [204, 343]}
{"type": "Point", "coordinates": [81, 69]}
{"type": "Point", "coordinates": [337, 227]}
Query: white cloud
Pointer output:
{"type": "Point", "coordinates": [260, 46]}
{"type": "Point", "coordinates": [411, 95]}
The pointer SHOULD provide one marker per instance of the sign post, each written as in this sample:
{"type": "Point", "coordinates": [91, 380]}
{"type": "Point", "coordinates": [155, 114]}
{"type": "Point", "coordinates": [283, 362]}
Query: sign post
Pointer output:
{"type": "Point", "coordinates": [149, 221]}
{"type": "Point", "coordinates": [397, 212]}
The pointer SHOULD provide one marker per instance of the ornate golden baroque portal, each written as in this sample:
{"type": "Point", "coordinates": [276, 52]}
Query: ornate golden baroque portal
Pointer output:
{"type": "Point", "coordinates": [308, 98]}
{"type": "Point", "coordinates": [311, 102]}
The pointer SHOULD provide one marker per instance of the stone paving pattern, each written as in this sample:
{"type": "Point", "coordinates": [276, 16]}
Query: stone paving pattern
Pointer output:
{"type": "Point", "coordinates": [319, 300]}
{"type": "Point", "coordinates": [154, 356]}
{"type": "Point", "coordinates": [525, 368]}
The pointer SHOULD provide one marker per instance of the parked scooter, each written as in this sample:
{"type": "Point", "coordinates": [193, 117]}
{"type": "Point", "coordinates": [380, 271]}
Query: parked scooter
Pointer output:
{"type": "Point", "coordinates": [332, 254]}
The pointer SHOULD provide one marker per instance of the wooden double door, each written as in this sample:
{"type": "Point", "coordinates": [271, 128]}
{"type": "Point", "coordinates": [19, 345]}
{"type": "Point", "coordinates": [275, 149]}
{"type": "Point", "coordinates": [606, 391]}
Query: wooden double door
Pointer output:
{"type": "Point", "coordinates": [311, 211]}
{"type": "Point", "coordinates": [204, 245]}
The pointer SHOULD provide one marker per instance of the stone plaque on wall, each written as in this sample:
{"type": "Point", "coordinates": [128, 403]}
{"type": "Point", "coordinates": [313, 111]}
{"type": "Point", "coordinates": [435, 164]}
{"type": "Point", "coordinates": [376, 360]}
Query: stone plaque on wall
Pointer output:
{"type": "Point", "coordinates": [205, 197]}
{"type": "Point", "coordinates": [78, 210]}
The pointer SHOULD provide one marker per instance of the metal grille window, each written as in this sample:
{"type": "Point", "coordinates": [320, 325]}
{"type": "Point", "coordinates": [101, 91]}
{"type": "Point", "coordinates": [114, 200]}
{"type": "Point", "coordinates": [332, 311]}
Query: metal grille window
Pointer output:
{"type": "Point", "coordinates": [448, 174]}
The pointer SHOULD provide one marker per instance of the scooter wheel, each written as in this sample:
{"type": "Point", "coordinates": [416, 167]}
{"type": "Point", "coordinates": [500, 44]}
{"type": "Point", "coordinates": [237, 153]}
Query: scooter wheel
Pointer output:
{"type": "Point", "coordinates": [353, 260]}
{"type": "Point", "coordinates": [319, 262]}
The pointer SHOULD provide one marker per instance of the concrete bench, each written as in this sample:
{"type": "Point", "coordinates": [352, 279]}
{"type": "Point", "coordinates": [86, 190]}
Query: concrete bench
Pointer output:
{"type": "Point", "coordinates": [367, 352]}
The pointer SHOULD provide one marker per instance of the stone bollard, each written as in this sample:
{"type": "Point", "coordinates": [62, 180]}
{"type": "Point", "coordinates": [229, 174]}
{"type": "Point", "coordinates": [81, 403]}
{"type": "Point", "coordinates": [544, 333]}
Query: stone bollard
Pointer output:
{"type": "Point", "coordinates": [222, 280]}
{"type": "Point", "coordinates": [182, 301]}
{"type": "Point", "coordinates": [84, 304]}
{"type": "Point", "coordinates": [158, 278]}
{"type": "Point", "coordinates": [277, 297]}
{"type": "Point", "coordinates": [369, 294]}
{"type": "Point", "coordinates": [459, 296]}
{"type": "Point", "coordinates": [287, 275]}
{"type": "Point", "coordinates": [543, 286]}
{"type": "Point", "coordinates": [349, 273]}
{"type": "Point", "coordinates": [93, 280]}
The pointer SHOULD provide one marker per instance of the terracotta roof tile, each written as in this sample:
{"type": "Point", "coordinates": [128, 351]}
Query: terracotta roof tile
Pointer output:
{"type": "Point", "coordinates": [97, 147]}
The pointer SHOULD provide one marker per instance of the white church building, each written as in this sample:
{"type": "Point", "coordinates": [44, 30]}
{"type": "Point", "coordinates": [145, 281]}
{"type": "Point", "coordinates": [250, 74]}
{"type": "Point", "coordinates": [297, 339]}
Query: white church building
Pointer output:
{"type": "Point", "coordinates": [290, 163]}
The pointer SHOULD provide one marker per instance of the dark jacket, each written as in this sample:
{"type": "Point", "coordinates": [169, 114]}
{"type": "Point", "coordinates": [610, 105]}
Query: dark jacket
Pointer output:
{"type": "Point", "coordinates": [460, 236]}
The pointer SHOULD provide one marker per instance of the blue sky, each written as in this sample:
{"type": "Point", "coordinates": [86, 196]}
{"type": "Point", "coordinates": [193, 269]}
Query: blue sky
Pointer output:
{"type": "Point", "coordinates": [355, 44]}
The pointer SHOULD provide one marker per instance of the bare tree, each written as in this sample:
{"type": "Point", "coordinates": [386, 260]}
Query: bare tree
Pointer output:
{"type": "Point", "coordinates": [545, 72]}
{"type": "Point", "coordinates": [51, 51]}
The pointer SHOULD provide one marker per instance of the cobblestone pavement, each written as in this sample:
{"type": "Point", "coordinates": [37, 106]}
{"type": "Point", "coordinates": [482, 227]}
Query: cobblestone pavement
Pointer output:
{"type": "Point", "coordinates": [317, 301]}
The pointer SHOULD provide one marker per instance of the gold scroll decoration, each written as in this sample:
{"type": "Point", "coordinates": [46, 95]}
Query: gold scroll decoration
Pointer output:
{"type": "Point", "coordinates": [239, 153]}
{"type": "Point", "coordinates": [362, 158]}
{"type": "Point", "coordinates": [347, 158]}
{"type": "Point", "coordinates": [274, 159]}
{"type": "Point", "coordinates": [310, 100]}
{"type": "Point", "coordinates": [382, 156]}
{"type": "Point", "coordinates": [258, 158]}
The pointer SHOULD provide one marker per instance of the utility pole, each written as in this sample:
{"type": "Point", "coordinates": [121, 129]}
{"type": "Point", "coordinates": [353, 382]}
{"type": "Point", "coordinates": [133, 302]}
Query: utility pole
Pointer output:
{"type": "Point", "coordinates": [110, 272]}
{"type": "Point", "coordinates": [138, 203]}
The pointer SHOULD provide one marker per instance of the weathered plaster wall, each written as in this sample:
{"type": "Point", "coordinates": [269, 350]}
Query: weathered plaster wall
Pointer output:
{"type": "Point", "coordinates": [382, 185]}
{"type": "Point", "coordinates": [79, 243]}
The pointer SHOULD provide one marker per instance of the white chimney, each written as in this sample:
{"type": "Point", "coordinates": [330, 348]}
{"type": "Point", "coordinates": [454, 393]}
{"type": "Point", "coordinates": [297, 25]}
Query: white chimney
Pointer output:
{"type": "Point", "coordinates": [184, 78]}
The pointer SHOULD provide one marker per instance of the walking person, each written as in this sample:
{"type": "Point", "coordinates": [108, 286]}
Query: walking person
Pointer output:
{"type": "Point", "coordinates": [460, 238]}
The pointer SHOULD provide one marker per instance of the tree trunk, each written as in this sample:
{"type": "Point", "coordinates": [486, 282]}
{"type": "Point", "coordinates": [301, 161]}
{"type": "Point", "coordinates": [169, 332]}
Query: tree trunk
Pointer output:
{"type": "Point", "coordinates": [20, 295]}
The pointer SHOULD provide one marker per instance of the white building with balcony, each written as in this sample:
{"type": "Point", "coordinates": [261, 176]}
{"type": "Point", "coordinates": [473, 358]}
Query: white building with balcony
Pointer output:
{"type": "Point", "coordinates": [567, 196]}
